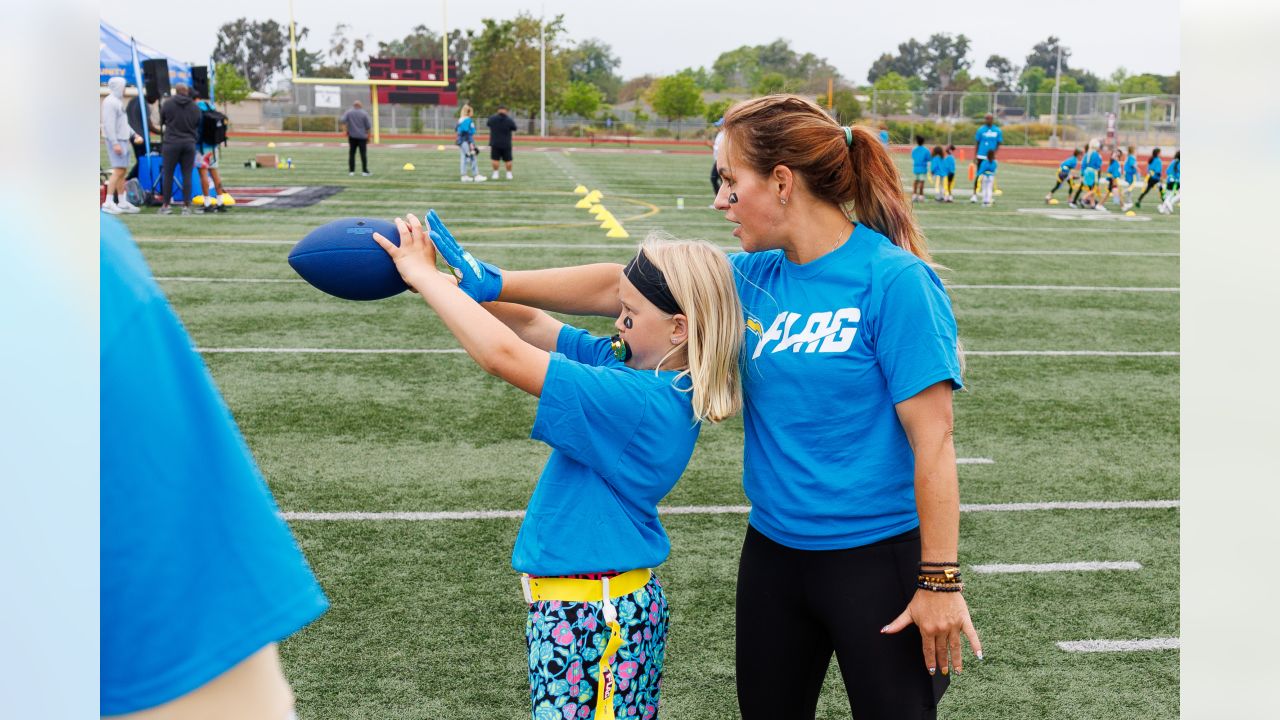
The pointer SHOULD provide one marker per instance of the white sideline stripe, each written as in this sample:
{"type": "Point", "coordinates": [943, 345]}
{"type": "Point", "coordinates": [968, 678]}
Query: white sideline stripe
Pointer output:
{"type": "Point", "coordinates": [1074, 505]}
{"type": "Point", "coordinates": [975, 461]}
{"type": "Point", "coordinates": [439, 351]}
{"type": "Point", "coordinates": [1081, 288]}
{"type": "Point", "coordinates": [1071, 353]}
{"type": "Point", "coordinates": [1084, 646]}
{"type": "Point", "coordinates": [998, 569]}
{"type": "Point", "coordinates": [423, 516]}
{"type": "Point", "coordinates": [632, 246]}
{"type": "Point", "coordinates": [338, 351]}
{"type": "Point", "coordinates": [179, 278]}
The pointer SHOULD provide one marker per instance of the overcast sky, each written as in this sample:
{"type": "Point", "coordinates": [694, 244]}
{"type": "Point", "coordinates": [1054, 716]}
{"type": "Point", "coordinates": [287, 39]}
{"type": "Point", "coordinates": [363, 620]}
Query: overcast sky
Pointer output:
{"type": "Point", "coordinates": [663, 36]}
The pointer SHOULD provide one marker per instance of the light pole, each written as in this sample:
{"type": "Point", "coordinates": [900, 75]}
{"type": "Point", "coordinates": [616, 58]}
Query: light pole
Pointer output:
{"type": "Point", "coordinates": [542, 75]}
{"type": "Point", "coordinates": [1057, 83]}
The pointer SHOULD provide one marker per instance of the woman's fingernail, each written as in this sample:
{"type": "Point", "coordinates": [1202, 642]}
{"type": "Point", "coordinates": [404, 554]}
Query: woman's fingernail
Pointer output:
{"type": "Point", "coordinates": [979, 656]}
{"type": "Point", "coordinates": [944, 669]}
{"type": "Point", "coordinates": [932, 671]}
{"type": "Point", "coordinates": [884, 629]}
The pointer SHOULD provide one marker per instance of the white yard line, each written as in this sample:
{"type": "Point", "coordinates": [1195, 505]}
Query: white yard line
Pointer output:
{"type": "Point", "coordinates": [999, 569]}
{"type": "Point", "coordinates": [1092, 646]}
{"type": "Point", "coordinates": [1071, 353]}
{"type": "Point", "coordinates": [437, 351]}
{"type": "Point", "coordinates": [422, 516]}
{"type": "Point", "coordinates": [1066, 288]}
{"type": "Point", "coordinates": [1036, 288]}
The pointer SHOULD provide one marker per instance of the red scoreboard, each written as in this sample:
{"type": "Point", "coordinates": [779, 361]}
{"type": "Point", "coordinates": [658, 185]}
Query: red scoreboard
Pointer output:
{"type": "Point", "coordinates": [414, 69]}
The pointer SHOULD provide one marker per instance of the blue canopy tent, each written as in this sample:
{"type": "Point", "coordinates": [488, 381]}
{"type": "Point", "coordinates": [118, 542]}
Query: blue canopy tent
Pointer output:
{"type": "Point", "coordinates": [115, 58]}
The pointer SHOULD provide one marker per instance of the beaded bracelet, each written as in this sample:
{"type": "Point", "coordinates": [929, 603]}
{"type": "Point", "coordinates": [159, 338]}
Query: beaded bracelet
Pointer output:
{"type": "Point", "coordinates": [939, 564]}
{"type": "Point", "coordinates": [940, 587]}
{"type": "Point", "coordinates": [948, 578]}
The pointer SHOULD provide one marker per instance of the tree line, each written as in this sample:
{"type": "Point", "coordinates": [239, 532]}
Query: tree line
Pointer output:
{"type": "Point", "coordinates": [499, 63]}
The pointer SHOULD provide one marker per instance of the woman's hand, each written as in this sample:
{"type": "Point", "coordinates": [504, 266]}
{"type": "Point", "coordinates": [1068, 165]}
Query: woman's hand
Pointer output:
{"type": "Point", "coordinates": [415, 257]}
{"type": "Point", "coordinates": [941, 617]}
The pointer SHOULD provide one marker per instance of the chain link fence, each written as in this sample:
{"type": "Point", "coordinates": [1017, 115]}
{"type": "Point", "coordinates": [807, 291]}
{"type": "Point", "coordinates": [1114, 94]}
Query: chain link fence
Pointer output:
{"type": "Point", "coordinates": [1029, 118]}
{"type": "Point", "coordinates": [951, 117]}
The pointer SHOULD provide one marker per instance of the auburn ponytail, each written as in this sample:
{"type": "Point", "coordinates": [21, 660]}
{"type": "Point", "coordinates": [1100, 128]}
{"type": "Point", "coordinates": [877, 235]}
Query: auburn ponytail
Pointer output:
{"type": "Point", "coordinates": [878, 201]}
{"type": "Point", "coordinates": [849, 169]}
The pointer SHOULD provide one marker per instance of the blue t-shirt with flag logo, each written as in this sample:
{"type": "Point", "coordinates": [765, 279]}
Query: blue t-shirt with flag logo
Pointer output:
{"type": "Point", "coordinates": [1155, 166]}
{"type": "Point", "coordinates": [1130, 168]}
{"type": "Point", "coordinates": [988, 138]}
{"type": "Point", "coordinates": [1089, 177]}
{"type": "Point", "coordinates": [935, 166]}
{"type": "Point", "coordinates": [1068, 164]}
{"type": "Point", "coordinates": [620, 439]}
{"type": "Point", "coordinates": [949, 165]}
{"type": "Point", "coordinates": [988, 167]}
{"type": "Point", "coordinates": [919, 159]}
{"type": "Point", "coordinates": [1175, 170]}
{"type": "Point", "coordinates": [1093, 160]}
{"type": "Point", "coordinates": [1113, 167]}
{"type": "Point", "coordinates": [831, 347]}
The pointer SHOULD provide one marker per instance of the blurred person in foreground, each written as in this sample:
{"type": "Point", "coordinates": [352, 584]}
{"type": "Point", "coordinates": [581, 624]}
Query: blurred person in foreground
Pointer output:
{"type": "Point", "coordinates": [200, 576]}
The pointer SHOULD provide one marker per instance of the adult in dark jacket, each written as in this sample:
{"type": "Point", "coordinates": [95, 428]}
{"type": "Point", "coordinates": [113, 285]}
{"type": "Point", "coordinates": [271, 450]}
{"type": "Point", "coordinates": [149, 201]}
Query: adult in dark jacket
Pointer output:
{"type": "Point", "coordinates": [500, 128]}
{"type": "Point", "coordinates": [181, 121]}
{"type": "Point", "coordinates": [133, 111]}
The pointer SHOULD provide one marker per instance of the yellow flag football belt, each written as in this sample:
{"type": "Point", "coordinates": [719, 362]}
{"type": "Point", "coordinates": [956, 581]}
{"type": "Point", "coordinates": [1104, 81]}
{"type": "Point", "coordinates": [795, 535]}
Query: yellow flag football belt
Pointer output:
{"type": "Point", "coordinates": [604, 591]}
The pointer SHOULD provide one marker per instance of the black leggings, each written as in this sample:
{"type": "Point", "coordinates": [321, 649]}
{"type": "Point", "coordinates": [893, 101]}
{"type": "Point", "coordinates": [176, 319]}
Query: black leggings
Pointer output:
{"type": "Point", "coordinates": [1152, 182]}
{"type": "Point", "coordinates": [797, 607]}
{"type": "Point", "coordinates": [178, 155]}
{"type": "Point", "coordinates": [352, 144]}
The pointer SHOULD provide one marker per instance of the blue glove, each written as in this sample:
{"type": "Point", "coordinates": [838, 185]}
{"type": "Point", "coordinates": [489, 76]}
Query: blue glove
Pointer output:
{"type": "Point", "coordinates": [481, 281]}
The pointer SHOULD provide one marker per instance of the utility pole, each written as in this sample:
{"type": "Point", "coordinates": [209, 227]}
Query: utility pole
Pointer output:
{"type": "Point", "coordinates": [1057, 84]}
{"type": "Point", "coordinates": [542, 74]}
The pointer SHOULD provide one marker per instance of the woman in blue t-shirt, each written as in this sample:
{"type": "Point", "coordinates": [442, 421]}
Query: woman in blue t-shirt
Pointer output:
{"type": "Point", "coordinates": [466, 142]}
{"type": "Point", "coordinates": [849, 364]}
{"type": "Point", "coordinates": [621, 416]}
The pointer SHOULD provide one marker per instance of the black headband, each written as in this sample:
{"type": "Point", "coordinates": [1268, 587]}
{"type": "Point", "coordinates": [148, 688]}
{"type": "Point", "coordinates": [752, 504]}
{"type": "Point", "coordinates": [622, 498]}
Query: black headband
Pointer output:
{"type": "Point", "coordinates": [651, 283]}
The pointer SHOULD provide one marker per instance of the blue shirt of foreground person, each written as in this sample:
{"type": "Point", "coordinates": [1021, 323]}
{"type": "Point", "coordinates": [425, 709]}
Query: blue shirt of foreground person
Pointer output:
{"type": "Point", "coordinates": [200, 574]}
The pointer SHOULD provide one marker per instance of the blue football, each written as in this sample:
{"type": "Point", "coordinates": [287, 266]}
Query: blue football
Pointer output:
{"type": "Point", "coordinates": [342, 259]}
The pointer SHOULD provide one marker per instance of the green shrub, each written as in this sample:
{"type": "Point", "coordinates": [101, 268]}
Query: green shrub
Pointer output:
{"type": "Point", "coordinates": [310, 123]}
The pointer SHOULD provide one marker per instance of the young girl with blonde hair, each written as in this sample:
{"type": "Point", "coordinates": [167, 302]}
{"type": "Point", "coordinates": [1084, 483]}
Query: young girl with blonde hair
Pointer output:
{"type": "Point", "coordinates": [621, 415]}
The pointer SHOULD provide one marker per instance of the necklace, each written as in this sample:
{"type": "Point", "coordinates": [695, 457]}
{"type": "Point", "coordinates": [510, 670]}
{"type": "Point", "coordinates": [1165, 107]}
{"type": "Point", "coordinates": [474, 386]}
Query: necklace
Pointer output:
{"type": "Point", "coordinates": [841, 238]}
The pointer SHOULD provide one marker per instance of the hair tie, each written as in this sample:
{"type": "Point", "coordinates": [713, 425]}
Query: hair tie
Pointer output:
{"type": "Point", "coordinates": [848, 136]}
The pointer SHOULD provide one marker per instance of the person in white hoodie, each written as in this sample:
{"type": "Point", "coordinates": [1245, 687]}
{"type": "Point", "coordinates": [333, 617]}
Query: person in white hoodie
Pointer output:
{"type": "Point", "coordinates": [117, 134]}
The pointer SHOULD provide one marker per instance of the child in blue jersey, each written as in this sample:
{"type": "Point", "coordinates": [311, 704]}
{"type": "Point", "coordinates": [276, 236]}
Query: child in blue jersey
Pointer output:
{"type": "Point", "coordinates": [919, 168]}
{"type": "Point", "coordinates": [1113, 179]}
{"type": "Point", "coordinates": [987, 177]}
{"type": "Point", "coordinates": [852, 499]}
{"type": "Point", "coordinates": [936, 170]}
{"type": "Point", "coordinates": [1087, 193]}
{"type": "Point", "coordinates": [949, 171]}
{"type": "Point", "coordinates": [986, 140]}
{"type": "Point", "coordinates": [1173, 185]}
{"type": "Point", "coordinates": [1064, 175]}
{"type": "Point", "coordinates": [1155, 169]}
{"type": "Point", "coordinates": [621, 416]}
{"type": "Point", "coordinates": [466, 142]}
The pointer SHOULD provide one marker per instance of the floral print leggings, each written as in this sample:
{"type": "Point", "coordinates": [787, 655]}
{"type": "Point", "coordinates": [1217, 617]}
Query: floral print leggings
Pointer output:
{"type": "Point", "coordinates": [565, 640]}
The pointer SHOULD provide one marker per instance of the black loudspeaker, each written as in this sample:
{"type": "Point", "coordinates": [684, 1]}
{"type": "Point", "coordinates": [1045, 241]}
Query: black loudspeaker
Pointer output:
{"type": "Point", "coordinates": [200, 81]}
{"type": "Point", "coordinates": [155, 77]}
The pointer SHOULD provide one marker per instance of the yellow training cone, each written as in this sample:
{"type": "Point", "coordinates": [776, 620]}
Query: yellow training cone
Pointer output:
{"type": "Point", "coordinates": [409, 166]}
{"type": "Point", "coordinates": [280, 165]}
{"type": "Point", "coordinates": [439, 147]}
{"type": "Point", "coordinates": [583, 204]}
{"type": "Point", "coordinates": [597, 209]}
{"type": "Point", "coordinates": [1131, 214]}
{"type": "Point", "coordinates": [617, 232]}
{"type": "Point", "coordinates": [197, 200]}
{"type": "Point", "coordinates": [227, 199]}
{"type": "Point", "coordinates": [580, 190]}
{"type": "Point", "coordinates": [271, 144]}
{"type": "Point", "coordinates": [594, 196]}
{"type": "Point", "coordinates": [609, 223]}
